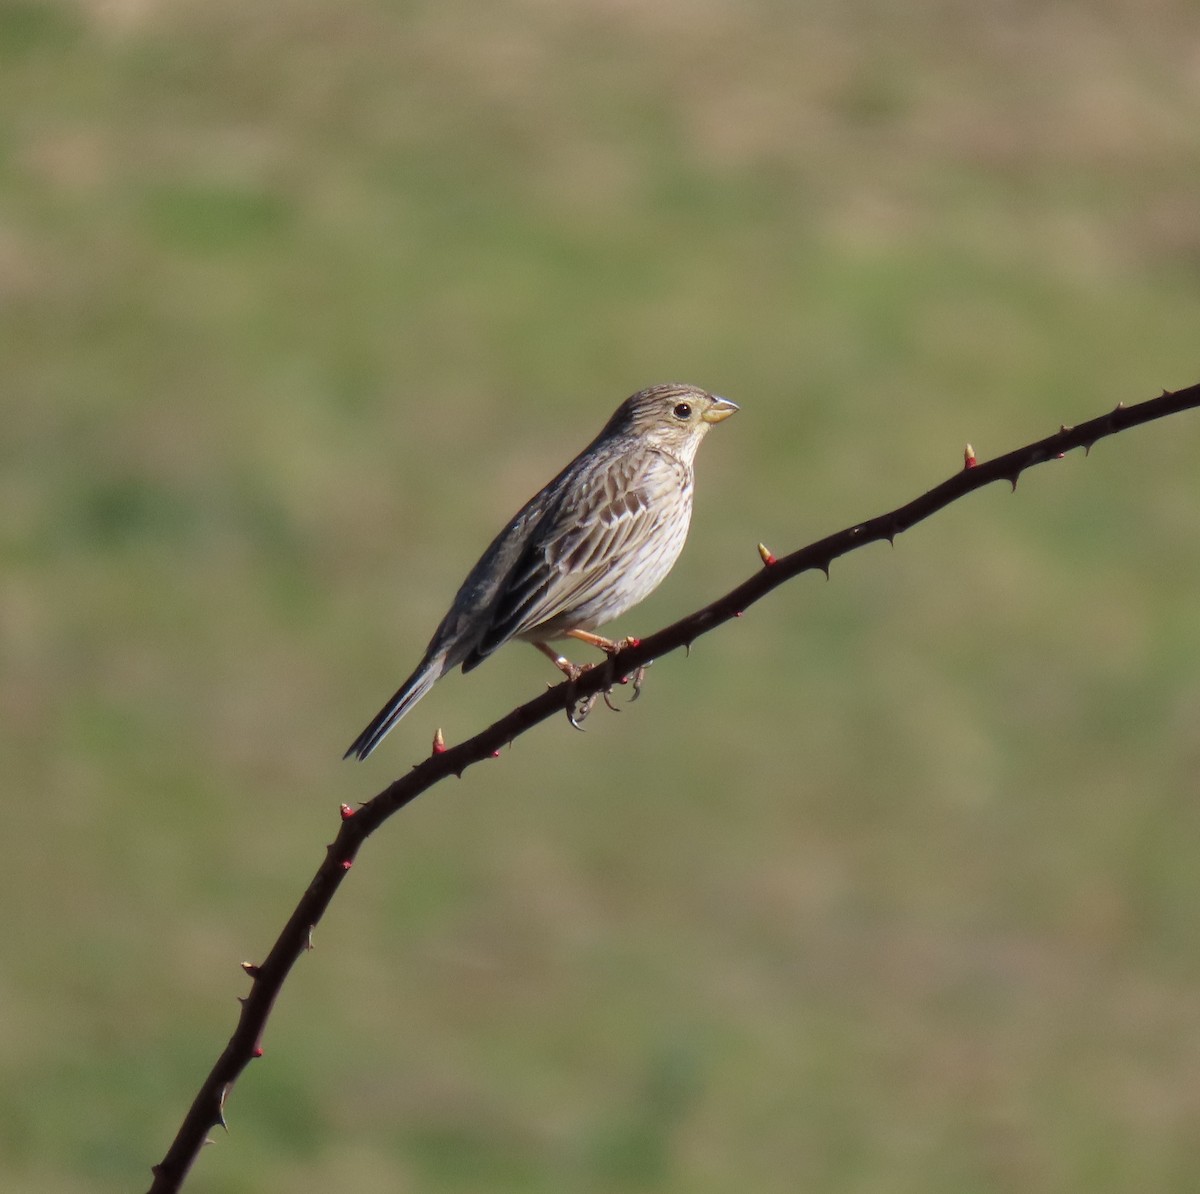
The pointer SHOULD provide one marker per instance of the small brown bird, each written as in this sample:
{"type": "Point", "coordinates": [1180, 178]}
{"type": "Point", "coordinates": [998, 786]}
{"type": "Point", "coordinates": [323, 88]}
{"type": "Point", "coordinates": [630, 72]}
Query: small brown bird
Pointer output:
{"type": "Point", "coordinates": [597, 540]}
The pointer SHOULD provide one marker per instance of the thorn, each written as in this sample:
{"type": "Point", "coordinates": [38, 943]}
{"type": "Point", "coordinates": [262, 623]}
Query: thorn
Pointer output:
{"type": "Point", "coordinates": [766, 555]}
{"type": "Point", "coordinates": [308, 941]}
{"type": "Point", "coordinates": [1087, 448]}
{"type": "Point", "coordinates": [1119, 407]}
{"type": "Point", "coordinates": [687, 649]}
{"type": "Point", "coordinates": [347, 812]}
{"type": "Point", "coordinates": [495, 754]}
{"type": "Point", "coordinates": [439, 742]}
{"type": "Point", "coordinates": [738, 613]}
{"type": "Point", "coordinates": [825, 568]}
{"type": "Point", "coordinates": [346, 863]}
{"type": "Point", "coordinates": [1063, 429]}
{"type": "Point", "coordinates": [1167, 394]}
{"type": "Point", "coordinates": [1013, 481]}
{"type": "Point", "coordinates": [458, 773]}
{"type": "Point", "coordinates": [969, 460]}
{"type": "Point", "coordinates": [632, 642]}
{"type": "Point", "coordinates": [258, 1051]}
{"type": "Point", "coordinates": [251, 969]}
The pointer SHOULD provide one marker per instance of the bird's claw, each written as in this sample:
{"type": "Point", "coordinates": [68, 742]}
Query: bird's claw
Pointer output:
{"type": "Point", "coordinates": [578, 710]}
{"type": "Point", "coordinates": [638, 677]}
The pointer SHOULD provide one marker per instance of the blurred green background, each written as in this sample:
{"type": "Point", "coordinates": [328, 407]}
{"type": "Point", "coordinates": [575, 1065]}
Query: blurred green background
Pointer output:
{"type": "Point", "coordinates": [890, 886]}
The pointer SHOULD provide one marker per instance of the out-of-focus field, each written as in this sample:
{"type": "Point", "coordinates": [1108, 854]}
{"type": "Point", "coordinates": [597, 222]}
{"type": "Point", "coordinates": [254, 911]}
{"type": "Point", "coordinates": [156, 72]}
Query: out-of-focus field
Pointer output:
{"type": "Point", "coordinates": [893, 885]}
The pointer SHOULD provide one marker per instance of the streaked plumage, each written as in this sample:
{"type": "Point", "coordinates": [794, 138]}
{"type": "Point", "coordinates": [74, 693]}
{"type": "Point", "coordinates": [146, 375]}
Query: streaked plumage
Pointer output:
{"type": "Point", "coordinates": [595, 541]}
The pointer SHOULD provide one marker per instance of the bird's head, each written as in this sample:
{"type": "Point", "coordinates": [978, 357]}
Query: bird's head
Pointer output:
{"type": "Point", "coordinates": [672, 416]}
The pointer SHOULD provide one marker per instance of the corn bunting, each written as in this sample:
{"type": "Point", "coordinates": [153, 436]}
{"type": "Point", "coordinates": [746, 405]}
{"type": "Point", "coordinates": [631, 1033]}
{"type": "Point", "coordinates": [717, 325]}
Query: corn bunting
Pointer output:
{"type": "Point", "coordinates": [596, 541]}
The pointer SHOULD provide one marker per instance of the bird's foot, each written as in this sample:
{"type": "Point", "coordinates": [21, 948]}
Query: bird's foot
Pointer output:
{"type": "Point", "coordinates": [572, 671]}
{"type": "Point", "coordinates": [579, 709]}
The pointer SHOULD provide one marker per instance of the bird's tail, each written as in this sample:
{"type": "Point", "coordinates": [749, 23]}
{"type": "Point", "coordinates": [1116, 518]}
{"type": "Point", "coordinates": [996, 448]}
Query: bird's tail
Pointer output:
{"type": "Point", "coordinates": [411, 691]}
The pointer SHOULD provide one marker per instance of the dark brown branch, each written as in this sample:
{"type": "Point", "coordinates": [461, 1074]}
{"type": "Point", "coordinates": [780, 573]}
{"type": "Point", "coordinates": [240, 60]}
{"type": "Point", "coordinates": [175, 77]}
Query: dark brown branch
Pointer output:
{"type": "Point", "coordinates": [267, 978]}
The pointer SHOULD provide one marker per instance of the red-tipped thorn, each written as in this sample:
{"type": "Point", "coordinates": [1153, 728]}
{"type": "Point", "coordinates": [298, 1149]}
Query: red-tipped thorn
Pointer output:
{"type": "Point", "coordinates": [632, 642]}
{"type": "Point", "coordinates": [766, 555]}
{"type": "Point", "coordinates": [347, 812]}
{"type": "Point", "coordinates": [347, 863]}
{"type": "Point", "coordinates": [969, 460]}
{"type": "Point", "coordinates": [251, 969]}
{"type": "Point", "coordinates": [738, 613]}
{"type": "Point", "coordinates": [439, 742]}
{"type": "Point", "coordinates": [495, 754]}
{"type": "Point", "coordinates": [258, 1050]}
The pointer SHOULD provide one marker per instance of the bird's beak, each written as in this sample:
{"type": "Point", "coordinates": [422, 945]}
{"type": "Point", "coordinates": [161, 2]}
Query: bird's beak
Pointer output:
{"type": "Point", "coordinates": [721, 408]}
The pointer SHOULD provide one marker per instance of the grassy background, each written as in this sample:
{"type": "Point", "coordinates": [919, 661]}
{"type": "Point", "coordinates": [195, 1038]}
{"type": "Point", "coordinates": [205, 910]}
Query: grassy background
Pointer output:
{"type": "Point", "coordinates": [891, 886]}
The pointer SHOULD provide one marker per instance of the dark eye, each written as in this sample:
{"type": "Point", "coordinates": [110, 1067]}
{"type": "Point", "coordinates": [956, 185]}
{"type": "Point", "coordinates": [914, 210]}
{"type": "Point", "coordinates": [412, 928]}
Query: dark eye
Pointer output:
{"type": "Point", "coordinates": [682, 410]}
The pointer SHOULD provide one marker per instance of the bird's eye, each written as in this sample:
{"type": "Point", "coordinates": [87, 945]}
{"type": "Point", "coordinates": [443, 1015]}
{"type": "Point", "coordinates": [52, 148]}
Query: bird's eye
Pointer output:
{"type": "Point", "coordinates": [682, 410]}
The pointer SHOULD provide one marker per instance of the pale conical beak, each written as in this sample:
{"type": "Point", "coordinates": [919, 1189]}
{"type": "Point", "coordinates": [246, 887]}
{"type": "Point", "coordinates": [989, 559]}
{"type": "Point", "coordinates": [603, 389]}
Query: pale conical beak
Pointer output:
{"type": "Point", "coordinates": [721, 408]}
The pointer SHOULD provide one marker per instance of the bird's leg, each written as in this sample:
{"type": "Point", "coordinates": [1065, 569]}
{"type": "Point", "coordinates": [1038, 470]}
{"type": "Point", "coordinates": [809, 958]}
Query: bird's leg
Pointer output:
{"type": "Point", "coordinates": [572, 671]}
{"type": "Point", "coordinates": [599, 641]}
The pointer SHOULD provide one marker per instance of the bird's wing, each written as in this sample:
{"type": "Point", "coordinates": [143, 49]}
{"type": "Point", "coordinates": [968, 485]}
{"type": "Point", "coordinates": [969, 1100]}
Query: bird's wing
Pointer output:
{"type": "Point", "coordinates": [577, 552]}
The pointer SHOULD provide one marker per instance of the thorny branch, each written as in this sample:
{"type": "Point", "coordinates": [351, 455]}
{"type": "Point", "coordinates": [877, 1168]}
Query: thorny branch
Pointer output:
{"type": "Point", "coordinates": [267, 978]}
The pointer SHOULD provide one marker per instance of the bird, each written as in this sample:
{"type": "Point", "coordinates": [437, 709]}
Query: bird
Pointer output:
{"type": "Point", "coordinates": [598, 539]}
